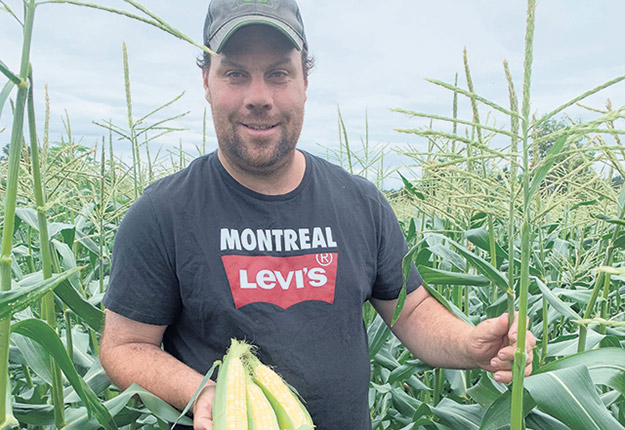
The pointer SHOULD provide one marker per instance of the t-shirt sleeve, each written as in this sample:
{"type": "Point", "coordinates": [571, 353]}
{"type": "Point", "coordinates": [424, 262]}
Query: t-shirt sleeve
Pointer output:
{"type": "Point", "coordinates": [143, 284]}
{"type": "Point", "coordinates": [392, 248]}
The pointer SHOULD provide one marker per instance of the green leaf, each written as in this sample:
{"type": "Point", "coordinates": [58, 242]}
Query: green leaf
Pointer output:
{"type": "Point", "coordinates": [78, 419]}
{"type": "Point", "coordinates": [569, 395]}
{"type": "Point", "coordinates": [29, 216]}
{"type": "Point", "coordinates": [4, 94]}
{"type": "Point", "coordinates": [404, 371]}
{"type": "Point", "coordinates": [4, 69]}
{"type": "Point", "coordinates": [458, 416]}
{"type": "Point", "coordinates": [34, 356]}
{"type": "Point", "coordinates": [448, 256]}
{"type": "Point", "coordinates": [562, 308]}
{"type": "Point", "coordinates": [411, 188]}
{"type": "Point", "coordinates": [47, 337]}
{"type": "Point", "coordinates": [443, 301]}
{"type": "Point", "coordinates": [605, 365]}
{"type": "Point", "coordinates": [38, 415]}
{"type": "Point", "coordinates": [497, 415]}
{"type": "Point", "coordinates": [541, 172]}
{"type": "Point", "coordinates": [378, 333]}
{"type": "Point", "coordinates": [444, 277]}
{"type": "Point", "coordinates": [485, 392]}
{"type": "Point", "coordinates": [483, 266]}
{"type": "Point", "coordinates": [92, 316]}
{"type": "Point", "coordinates": [400, 304]}
{"type": "Point", "coordinates": [480, 238]}
{"type": "Point", "coordinates": [20, 298]}
{"type": "Point", "coordinates": [609, 220]}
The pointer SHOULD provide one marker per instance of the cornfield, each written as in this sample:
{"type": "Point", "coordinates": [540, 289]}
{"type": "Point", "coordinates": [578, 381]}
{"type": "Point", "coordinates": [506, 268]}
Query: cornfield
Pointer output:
{"type": "Point", "coordinates": [528, 217]}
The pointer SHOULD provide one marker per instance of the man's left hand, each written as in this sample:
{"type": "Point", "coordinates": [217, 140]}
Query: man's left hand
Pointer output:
{"type": "Point", "coordinates": [490, 345]}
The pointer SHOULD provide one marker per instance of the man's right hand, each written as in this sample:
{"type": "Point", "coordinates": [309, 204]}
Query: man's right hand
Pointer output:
{"type": "Point", "coordinates": [203, 408]}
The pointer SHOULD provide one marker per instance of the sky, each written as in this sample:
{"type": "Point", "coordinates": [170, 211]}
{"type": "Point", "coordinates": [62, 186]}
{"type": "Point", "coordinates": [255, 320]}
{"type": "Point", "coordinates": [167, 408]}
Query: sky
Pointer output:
{"type": "Point", "coordinates": [371, 56]}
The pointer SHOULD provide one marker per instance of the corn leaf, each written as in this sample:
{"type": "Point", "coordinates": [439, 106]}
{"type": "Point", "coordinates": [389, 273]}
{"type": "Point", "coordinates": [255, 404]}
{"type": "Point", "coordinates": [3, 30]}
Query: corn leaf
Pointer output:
{"type": "Point", "coordinates": [88, 313]}
{"type": "Point", "coordinates": [47, 337]}
{"type": "Point", "coordinates": [29, 216]}
{"type": "Point", "coordinates": [483, 266]}
{"type": "Point", "coordinates": [78, 419]}
{"type": "Point", "coordinates": [569, 395]}
{"type": "Point", "coordinates": [4, 94]}
{"type": "Point", "coordinates": [497, 415]}
{"type": "Point", "coordinates": [37, 415]}
{"type": "Point", "coordinates": [411, 188]}
{"type": "Point", "coordinates": [445, 277]}
{"type": "Point", "coordinates": [605, 365]}
{"type": "Point", "coordinates": [541, 172]}
{"type": "Point", "coordinates": [458, 416]}
{"type": "Point", "coordinates": [9, 74]}
{"type": "Point", "coordinates": [20, 298]}
{"type": "Point", "coordinates": [562, 308]}
{"type": "Point", "coordinates": [443, 301]}
{"type": "Point", "coordinates": [378, 333]}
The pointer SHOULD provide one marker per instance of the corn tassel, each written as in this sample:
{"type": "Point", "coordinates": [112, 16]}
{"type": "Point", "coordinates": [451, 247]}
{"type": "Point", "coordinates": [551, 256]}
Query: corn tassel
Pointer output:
{"type": "Point", "coordinates": [291, 413]}
{"type": "Point", "coordinates": [230, 405]}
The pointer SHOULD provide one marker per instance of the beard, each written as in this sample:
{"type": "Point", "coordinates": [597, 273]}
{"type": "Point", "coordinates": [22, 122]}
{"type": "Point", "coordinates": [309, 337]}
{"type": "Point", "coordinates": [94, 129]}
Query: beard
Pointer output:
{"type": "Point", "coordinates": [259, 156]}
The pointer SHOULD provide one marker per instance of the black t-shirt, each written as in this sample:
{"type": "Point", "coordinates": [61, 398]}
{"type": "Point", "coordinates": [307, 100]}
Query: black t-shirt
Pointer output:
{"type": "Point", "coordinates": [213, 260]}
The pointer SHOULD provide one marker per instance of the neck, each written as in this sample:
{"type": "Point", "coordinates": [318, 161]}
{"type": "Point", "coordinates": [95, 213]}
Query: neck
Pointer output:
{"type": "Point", "coordinates": [274, 183]}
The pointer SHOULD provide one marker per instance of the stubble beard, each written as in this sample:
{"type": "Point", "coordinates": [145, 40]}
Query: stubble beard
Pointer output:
{"type": "Point", "coordinates": [269, 160]}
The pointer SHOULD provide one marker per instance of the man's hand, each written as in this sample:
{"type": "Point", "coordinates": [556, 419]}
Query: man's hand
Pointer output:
{"type": "Point", "coordinates": [203, 409]}
{"type": "Point", "coordinates": [489, 345]}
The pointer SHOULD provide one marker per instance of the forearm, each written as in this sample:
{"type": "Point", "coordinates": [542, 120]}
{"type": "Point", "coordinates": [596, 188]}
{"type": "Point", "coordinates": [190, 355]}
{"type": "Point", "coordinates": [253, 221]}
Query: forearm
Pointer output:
{"type": "Point", "coordinates": [436, 336]}
{"type": "Point", "coordinates": [429, 330]}
{"type": "Point", "coordinates": [151, 368]}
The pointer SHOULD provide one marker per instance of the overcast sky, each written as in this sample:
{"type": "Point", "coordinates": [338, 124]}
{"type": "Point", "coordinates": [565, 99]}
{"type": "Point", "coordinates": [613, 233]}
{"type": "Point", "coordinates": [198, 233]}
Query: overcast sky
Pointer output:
{"type": "Point", "coordinates": [370, 56]}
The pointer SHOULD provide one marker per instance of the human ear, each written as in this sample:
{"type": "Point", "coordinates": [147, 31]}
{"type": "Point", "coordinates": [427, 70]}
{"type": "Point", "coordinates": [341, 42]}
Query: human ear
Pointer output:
{"type": "Point", "coordinates": [207, 93]}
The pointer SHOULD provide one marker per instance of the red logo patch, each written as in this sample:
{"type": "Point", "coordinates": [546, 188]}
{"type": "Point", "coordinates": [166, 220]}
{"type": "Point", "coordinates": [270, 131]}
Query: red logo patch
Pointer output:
{"type": "Point", "coordinates": [282, 281]}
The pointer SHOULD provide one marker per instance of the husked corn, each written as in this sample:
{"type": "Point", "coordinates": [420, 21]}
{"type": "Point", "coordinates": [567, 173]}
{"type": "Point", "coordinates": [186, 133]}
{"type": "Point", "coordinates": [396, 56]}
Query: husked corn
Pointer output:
{"type": "Point", "coordinates": [259, 411]}
{"type": "Point", "coordinates": [251, 396]}
{"type": "Point", "coordinates": [291, 413]}
{"type": "Point", "coordinates": [230, 405]}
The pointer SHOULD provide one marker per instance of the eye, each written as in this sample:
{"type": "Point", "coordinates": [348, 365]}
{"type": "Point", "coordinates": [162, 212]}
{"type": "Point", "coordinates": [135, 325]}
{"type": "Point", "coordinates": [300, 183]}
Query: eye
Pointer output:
{"type": "Point", "coordinates": [279, 75]}
{"type": "Point", "coordinates": [235, 75]}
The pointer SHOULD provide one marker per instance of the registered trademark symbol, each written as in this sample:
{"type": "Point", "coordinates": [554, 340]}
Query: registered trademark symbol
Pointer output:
{"type": "Point", "coordinates": [324, 259]}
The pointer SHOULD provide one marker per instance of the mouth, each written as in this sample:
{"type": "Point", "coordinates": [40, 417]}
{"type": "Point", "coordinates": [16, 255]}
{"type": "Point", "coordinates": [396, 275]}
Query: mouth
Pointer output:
{"type": "Point", "coordinates": [260, 127]}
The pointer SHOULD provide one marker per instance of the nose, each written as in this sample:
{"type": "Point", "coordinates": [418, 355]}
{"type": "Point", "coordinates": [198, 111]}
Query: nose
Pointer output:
{"type": "Point", "coordinates": [258, 95]}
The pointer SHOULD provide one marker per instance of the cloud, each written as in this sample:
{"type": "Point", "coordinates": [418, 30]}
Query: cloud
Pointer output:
{"type": "Point", "coordinates": [371, 56]}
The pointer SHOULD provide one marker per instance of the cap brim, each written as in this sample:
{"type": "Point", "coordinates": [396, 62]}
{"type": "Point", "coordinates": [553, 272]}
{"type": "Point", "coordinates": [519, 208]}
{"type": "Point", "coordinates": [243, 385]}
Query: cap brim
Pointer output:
{"type": "Point", "coordinates": [221, 37]}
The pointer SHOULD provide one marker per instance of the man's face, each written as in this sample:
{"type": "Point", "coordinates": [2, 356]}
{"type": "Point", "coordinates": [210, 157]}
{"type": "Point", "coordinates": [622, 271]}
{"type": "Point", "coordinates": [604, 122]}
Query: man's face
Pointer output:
{"type": "Point", "coordinates": [257, 90]}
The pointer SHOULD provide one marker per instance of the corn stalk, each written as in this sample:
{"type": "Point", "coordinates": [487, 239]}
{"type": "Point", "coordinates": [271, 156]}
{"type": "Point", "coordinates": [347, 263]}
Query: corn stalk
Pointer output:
{"type": "Point", "coordinates": [47, 305]}
{"type": "Point", "coordinates": [520, 356]}
{"type": "Point", "coordinates": [10, 202]}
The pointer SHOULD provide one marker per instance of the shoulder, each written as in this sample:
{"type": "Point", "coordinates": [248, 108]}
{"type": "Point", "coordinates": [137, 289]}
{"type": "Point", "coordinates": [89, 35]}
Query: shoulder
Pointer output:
{"type": "Point", "coordinates": [190, 176]}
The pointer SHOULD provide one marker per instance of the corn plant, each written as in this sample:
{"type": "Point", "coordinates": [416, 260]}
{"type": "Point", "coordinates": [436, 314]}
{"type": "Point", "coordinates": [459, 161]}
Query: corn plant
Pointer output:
{"type": "Point", "coordinates": [468, 240]}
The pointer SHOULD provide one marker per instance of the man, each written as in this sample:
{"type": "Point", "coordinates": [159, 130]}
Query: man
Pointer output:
{"type": "Point", "coordinates": [264, 242]}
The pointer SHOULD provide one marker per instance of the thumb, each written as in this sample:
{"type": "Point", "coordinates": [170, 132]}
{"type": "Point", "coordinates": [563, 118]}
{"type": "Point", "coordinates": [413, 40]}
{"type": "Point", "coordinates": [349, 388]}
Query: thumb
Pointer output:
{"type": "Point", "coordinates": [495, 328]}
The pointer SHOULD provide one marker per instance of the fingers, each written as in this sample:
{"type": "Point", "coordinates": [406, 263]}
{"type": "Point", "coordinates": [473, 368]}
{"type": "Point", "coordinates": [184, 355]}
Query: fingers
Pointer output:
{"type": "Point", "coordinates": [501, 365]}
{"type": "Point", "coordinates": [203, 409]}
{"type": "Point", "coordinates": [202, 424]}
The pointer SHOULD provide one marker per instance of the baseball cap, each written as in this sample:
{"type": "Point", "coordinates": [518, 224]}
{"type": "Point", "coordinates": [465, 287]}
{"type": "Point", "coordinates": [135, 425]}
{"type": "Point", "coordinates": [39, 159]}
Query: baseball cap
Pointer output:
{"type": "Point", "coordinates": [225, 17]}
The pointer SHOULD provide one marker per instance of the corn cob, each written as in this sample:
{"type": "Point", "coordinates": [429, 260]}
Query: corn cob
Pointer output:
{"type": "Point", "coordinates": [230, 405]}
{"type": "Point", "coordinates": [259, 411]}
{"type": "Point", "coordinates": [291, 413]}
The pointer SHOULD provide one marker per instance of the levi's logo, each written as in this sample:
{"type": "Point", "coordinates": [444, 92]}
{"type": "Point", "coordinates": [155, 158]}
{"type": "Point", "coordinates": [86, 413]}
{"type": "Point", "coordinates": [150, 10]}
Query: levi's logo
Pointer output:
{"type": "Point", "coordinates": [282, 281]}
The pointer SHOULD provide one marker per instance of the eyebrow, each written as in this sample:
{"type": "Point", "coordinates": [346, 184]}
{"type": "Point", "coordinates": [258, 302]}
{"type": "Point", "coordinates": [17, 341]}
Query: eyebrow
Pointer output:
{"type": "Point", "coordinates": [230, 63]}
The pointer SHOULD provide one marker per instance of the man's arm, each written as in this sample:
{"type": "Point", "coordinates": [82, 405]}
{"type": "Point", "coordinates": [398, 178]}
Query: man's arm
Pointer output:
{"type": "Point", "coordinates": [130, 352]}
{"type": "Point", "coordinates": [438, 337]}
